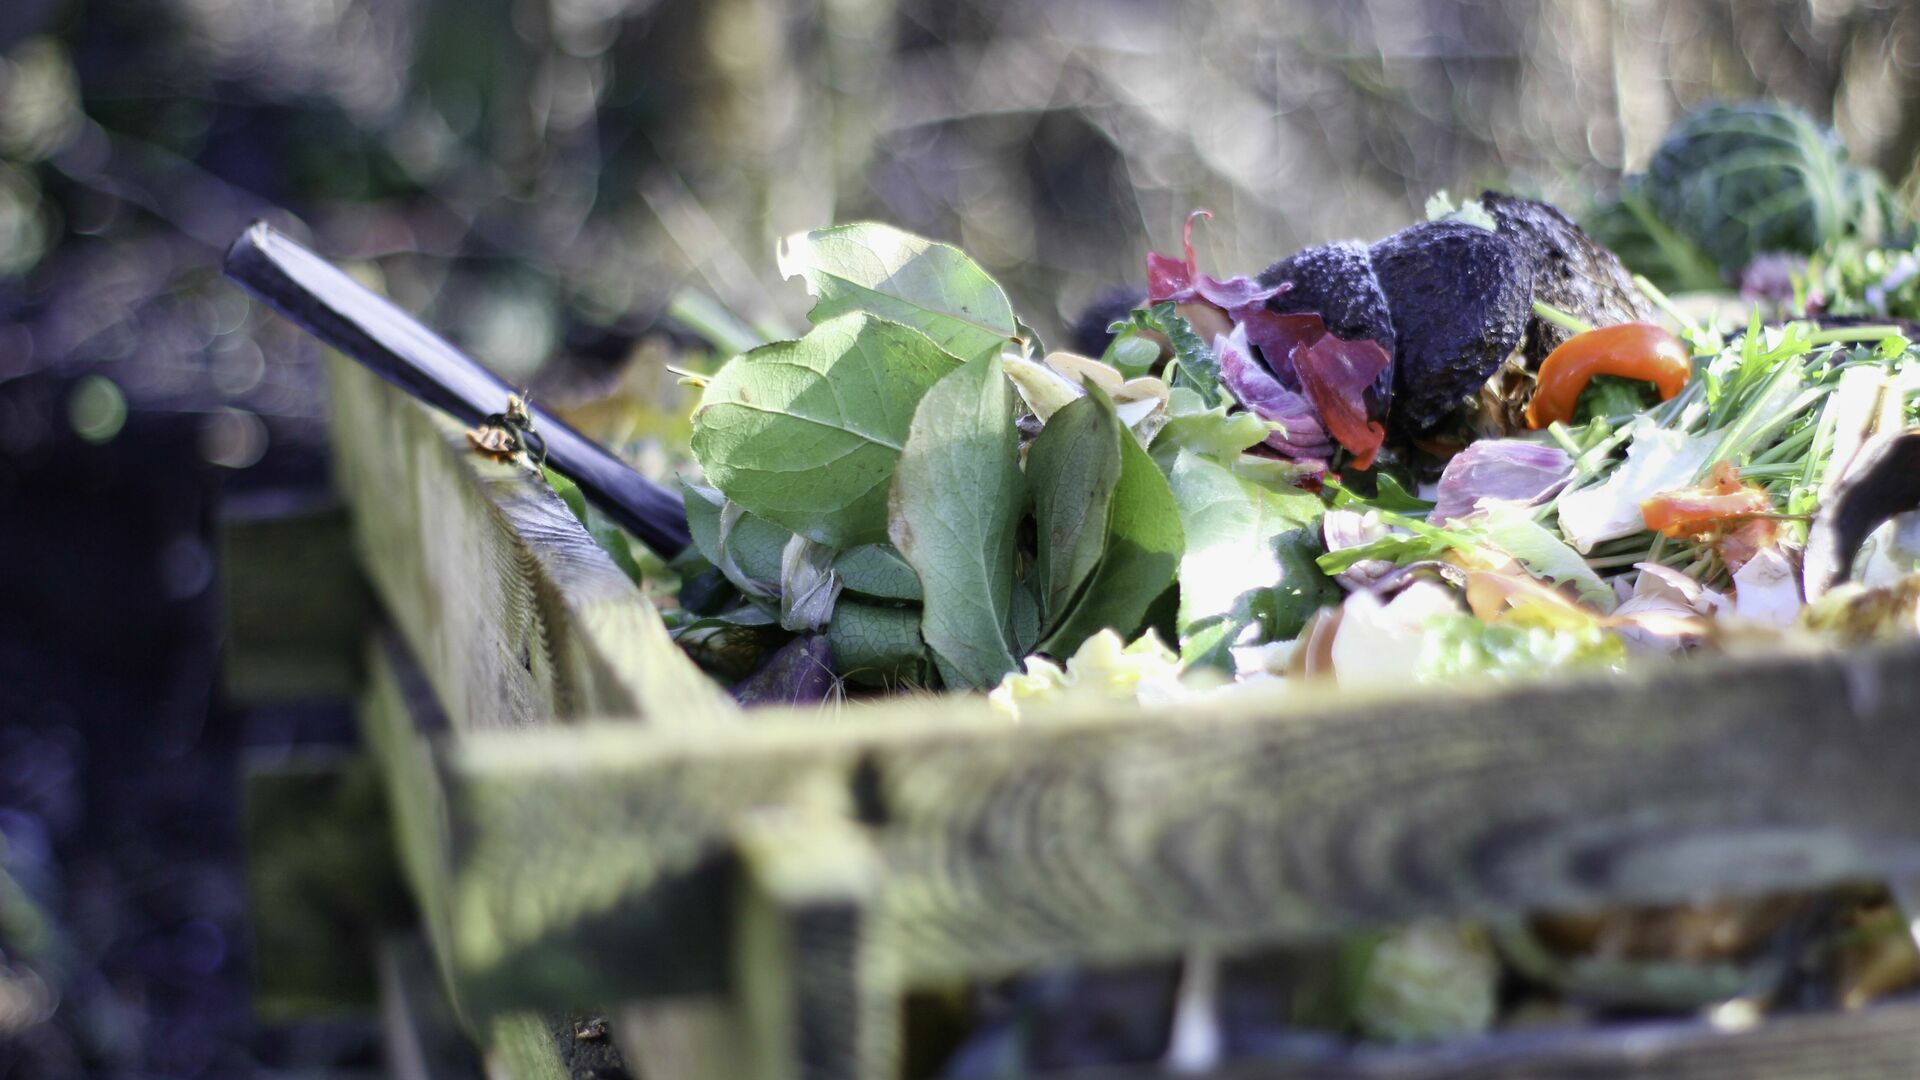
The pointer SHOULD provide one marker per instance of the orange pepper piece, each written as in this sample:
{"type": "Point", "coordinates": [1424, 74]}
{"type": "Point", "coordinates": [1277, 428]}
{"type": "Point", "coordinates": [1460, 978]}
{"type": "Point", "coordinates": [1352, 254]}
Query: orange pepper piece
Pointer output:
{"type": "Point", "coordinates": [1697, 511]}
{"type": "Point", "coordinates": [1629, 350]}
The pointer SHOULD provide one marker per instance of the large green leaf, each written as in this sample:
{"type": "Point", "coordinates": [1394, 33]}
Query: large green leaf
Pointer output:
{"type": "Point", "coordinates": [1073, 467]}
{"type": "Point", "coordinates": [930, 286]}
{"type": "Point", "coordinates": [878, 571]}
{"type": "Point", "coordinates": [876, 645]}
{"type": "Point", "coordinates": [957, 497]}
{"type": "Point", "coordinates": [806, 433]}
{"type": "Point", "coordinates": [1233, 561]}
{"type": "Point", "coordinates": [1143, 542]}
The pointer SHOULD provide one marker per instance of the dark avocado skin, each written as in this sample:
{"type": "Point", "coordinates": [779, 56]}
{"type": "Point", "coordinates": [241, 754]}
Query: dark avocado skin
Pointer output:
{"type": "Point", "coordinates": [1337, 282]}
{"type": "Point", "coordinates": [1571, 272]}
{"type": "Point", "coordinates": [1461, 298]}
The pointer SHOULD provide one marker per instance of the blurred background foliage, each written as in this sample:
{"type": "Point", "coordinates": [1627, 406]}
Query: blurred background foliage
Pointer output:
{"type": "Point", "coordinates": [540, 176]}
{"type": "Point", "coordinates": [540, 179]}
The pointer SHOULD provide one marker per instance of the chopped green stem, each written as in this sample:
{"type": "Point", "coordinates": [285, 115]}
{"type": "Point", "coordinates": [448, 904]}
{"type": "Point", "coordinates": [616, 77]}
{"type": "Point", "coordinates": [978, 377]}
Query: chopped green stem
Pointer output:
{"type": "Point", "coordinates": [1860, 334]}
{"type": "Point", "coordinates": [1558, 432]}
{"type": "Point", "coordinates": [1787, 451]}
{"type": "Point", "coordinates": [1660, 300]}
{"type": "Point", "coordinates": [1614, 562]}
{"type": "Point", "coordinates": [1560, 318]}
{"type": "Point", "coordinates": [711, 320]}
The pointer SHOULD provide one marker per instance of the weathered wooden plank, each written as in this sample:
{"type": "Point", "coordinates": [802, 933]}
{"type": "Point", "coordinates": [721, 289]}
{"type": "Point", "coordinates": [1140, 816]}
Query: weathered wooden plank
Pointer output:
{"type": "Point", "coordinates": [515, 615]}
{"type": "Point", "coordinates": [295, 603]}
{"type": "Point", "coordinates": [816, 999]}
{"type": "Point", "coordinates": [322, 881]}
{"type": "Point", "coordinates": [1882, 1043]}
{"type": "Point", "coordinates": [419, 1032]}
{"type": "Point", "coordinates": [1252, 819]}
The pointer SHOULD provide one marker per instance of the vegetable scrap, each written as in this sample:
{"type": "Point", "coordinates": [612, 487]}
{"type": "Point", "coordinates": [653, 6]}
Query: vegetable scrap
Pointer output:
{"type": "Point", "coordinates": [1483, 448]}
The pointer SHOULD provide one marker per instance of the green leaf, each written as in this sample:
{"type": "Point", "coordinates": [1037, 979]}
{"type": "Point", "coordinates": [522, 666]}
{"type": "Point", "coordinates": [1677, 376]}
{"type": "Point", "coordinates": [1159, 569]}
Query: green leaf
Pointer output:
{"type": "Point", "coordinates": [877, 571]}
{"type": "Point", "coordinates": [1196, 368]}
{"type": "Point", "coordinates": [1514, 531]}
{"type": "Point", "coordinates": [1026, 618]}
{"type": "Point", "coordinates": [1232, 560]}
{"type": "Point", "coordinates": [876, 645]}
{"type": "Point", "coordinates": [1143, 545]}
{"type": "Point", "coordinates": [1073, 467]}
{"type": "Point", "coordinates": [1132, 354]}
{"type": "Point", "coordinates": [1397, 548]}
{"type": "Point", "coordinates": [1388, 494]}
{"type": "Point", "coordinates": [1206, 430]}
{"type": "Point", "coordinates": [929, 286]}
{"type": "Point", "coordinates": [1461, 646]}
{"type": "Point", "coordinates": [806, 433]}
{"type": "Point", "coordinates": [957, 497]}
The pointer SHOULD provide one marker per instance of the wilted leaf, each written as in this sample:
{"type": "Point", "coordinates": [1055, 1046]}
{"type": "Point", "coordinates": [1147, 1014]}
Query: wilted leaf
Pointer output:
{"type": "Point", "coordinates": [798, 673]}
{"type": "Point", "coordinates": [957, 497]}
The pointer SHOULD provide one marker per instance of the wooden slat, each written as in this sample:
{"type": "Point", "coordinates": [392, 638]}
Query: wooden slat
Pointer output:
{"type": "Point", "coordinates": [1876, 1044]}
{"type": "Point", "coordinates": [595, 863]}
{"type": "Point", "coordinates": [421, 1036]}
{"type": "Point", "coordinates": [1129, 835]}
{"type": "Point", "coordinates": [296, 607]}
{"type": "Point", "coordinates": [516, 617]}
{"type": "Point", "coordinates": [812, 988]}
{"type": "Point", "coordinates": [322, 882]}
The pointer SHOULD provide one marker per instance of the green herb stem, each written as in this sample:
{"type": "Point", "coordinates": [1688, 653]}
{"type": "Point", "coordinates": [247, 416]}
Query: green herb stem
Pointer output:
{"type": "Point", "coordinates": [1853, 335]}
{"type": "Point", "coordinates": [1560, 318]}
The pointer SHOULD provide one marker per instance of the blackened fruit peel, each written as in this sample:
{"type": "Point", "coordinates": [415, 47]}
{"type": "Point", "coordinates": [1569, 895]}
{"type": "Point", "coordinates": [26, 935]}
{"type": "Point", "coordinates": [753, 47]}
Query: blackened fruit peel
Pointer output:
{"type": "Point", "coordinates": [1572, 272]}
{"type": "Point", "coordinates": [1461, 298]}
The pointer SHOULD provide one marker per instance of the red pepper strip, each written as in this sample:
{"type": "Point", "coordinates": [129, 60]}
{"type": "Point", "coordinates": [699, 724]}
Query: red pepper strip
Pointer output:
{"type": "Point", "coordinates": [1692, 511]}
{"type": "Point", "coordinates": [1630, 350]}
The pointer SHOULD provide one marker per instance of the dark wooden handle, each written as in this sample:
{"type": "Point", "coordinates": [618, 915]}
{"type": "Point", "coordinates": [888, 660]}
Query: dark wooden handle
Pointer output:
{"type": "Point", "coordinates": [324, 301]}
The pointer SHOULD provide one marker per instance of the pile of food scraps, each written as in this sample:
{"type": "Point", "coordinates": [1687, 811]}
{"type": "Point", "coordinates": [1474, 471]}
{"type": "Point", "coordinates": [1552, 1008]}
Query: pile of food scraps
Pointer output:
{"type": "Point", "coordinates": [1480, 448]}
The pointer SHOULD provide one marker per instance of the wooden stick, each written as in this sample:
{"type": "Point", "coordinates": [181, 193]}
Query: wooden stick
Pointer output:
{"type": "Point", "coordinates": [331, 306]}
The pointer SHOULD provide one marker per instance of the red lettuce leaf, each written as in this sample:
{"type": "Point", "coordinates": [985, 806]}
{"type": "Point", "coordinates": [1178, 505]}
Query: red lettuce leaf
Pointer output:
{"type": "Point", "coordinates": [1524, 472]}
{"type": "Point", "coordinates": [1183, 283]}
{"type": "Point", "coordinates": [1302, 437]}
{"type": "Point", "coordinates": [1333, 374]}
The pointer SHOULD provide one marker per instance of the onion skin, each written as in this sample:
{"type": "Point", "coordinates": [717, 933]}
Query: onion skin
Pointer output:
{"type": "Point", "coordinates": [1630, 350]}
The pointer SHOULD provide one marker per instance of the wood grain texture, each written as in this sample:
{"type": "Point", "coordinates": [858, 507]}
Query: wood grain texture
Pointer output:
{"type": "Point", "coordinates": [1881, 1043]}
{"type": "Point", "coordinates": [327, 303]}
{"type": "Point", "coordinates": [592, 863]}
{"type": "Point", "coordinates": [295, 605]}
{"type": "Point", "coordinates": [1125, 835]}
{"type": "Point", "coordinates": [514, 613]}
